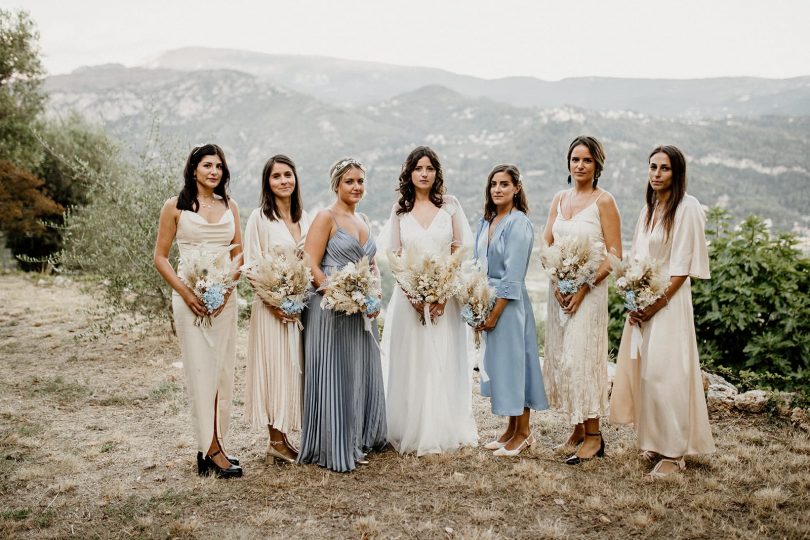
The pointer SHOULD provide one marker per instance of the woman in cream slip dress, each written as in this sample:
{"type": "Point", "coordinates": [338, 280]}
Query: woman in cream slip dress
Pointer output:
{"type": "Point", "coordinates": [204, 217]}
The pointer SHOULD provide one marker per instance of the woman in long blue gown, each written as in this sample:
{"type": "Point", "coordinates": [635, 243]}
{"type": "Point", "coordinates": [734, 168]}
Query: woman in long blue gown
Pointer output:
{"type": "Point", "coordinates": [503, 245]}
{"type": "Point", "coordinates": [344, 399]}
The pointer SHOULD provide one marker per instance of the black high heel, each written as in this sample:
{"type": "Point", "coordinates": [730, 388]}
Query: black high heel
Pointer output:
{"type": "Point", "coordinates": [232, 459]}
{"type": "Point", "coordinates": [206, 466]}
{"type": "Point", "coordinates": [576, 460]}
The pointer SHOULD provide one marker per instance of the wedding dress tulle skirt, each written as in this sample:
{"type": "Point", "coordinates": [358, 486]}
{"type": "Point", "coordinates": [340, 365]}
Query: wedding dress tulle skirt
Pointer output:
{"type": "Point", "coordinates": [428, 380]}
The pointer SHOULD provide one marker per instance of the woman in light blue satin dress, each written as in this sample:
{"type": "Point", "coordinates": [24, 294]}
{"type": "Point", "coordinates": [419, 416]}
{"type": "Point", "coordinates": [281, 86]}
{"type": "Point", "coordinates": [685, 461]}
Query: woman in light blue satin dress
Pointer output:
{"type": "Point", "coordinates": [503, 245]}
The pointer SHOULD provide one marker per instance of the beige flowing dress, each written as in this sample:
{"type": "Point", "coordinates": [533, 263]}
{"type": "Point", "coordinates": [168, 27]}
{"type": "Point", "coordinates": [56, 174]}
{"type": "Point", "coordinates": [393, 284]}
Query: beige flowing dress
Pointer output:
{"type": "Point", "coordinates": [275, 355]}
{"type": "Point", "coordinates": [661, 393]}
{"type": "Point", "coordinates": [209, 354]}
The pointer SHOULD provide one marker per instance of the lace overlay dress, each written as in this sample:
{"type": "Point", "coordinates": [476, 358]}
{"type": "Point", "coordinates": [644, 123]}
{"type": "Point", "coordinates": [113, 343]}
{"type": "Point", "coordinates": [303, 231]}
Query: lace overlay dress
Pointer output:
{"type": "Point", "coordinates": [576, 353]}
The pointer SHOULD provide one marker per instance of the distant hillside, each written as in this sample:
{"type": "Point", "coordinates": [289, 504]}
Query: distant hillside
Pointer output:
{"type": "Point", "coordinates": [347, 82]}
{"type": "Point", "coordinates": [758, 165]}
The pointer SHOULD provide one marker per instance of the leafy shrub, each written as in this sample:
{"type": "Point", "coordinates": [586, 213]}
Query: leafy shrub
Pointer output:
{"type": "Point", "coordinates": [22, 98]}
{"type": "Point", "coordinates": [754, 313]}
{"type": "Point", "coordinates": [75, 154]}
{"type": "Point", "coordinates": [72, 147]}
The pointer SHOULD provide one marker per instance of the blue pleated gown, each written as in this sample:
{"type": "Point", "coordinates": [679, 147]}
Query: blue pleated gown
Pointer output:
{"type": "Point", "coordinates": [344, 397]}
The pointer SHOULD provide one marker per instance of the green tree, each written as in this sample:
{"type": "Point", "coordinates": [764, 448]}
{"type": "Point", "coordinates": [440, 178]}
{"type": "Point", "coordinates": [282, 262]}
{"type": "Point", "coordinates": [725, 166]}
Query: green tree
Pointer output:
{"type": "Point", "coordinates": [112, 237]}
{"type": "Point", "coordinates": [22, 98]}
{"type": "Point", "coordinates": [74, 152]}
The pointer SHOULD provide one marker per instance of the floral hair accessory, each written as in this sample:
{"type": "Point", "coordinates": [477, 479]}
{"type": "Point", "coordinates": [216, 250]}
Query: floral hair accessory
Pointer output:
{"type": "Point", "coordinates": [347, 162]}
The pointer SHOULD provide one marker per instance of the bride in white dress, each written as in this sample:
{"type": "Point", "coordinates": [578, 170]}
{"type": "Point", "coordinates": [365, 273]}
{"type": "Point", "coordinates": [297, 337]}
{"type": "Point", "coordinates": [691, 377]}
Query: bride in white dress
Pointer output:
{"type": "Point", "coordinates": [426, 368]}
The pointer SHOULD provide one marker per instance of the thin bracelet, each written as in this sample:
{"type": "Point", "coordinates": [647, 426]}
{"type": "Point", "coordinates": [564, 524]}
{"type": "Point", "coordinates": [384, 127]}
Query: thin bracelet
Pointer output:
{"type": "Point", "coordinates": [666, 297]}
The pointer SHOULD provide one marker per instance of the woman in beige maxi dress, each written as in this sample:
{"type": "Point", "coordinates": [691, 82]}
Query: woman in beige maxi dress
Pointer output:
{"type": "Point", "coordinates": [661, 391]}
{"type": "Point", "coordinates": [203, 217]}
{"type": "Point", "coordinates": [275, 353]}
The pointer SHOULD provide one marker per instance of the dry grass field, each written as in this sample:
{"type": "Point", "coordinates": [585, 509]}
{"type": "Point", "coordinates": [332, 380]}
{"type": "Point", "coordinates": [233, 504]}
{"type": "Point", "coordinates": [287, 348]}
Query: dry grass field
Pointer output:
{"type": "Point", "coordinates": [95, 442]}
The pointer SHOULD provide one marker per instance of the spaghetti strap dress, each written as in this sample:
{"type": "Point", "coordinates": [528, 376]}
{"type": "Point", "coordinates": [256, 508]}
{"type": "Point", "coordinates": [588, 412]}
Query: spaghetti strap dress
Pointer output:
{"type": "Point", "coordinates": [575, 366]}
{"type": "Point", "coordinates": [344, 399]}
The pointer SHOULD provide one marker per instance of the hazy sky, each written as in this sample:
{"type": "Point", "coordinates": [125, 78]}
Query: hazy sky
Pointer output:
{"type": "Point", "coordinates": [545, 39]}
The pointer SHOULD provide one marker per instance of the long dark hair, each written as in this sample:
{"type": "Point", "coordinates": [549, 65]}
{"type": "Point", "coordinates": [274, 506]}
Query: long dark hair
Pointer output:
{"type": "Point", "coordinates": [268, 199]}
{"type": "Point", "coordinates": [520, 201]}
{"type": "Point", "coordinates": [677, 188]}
{"type": "Point", "coordinates": [406, 189]}
{"type": "Point", "coordinates": [597, 153]}
{"type": "Point", "coordinates": [187, 199]}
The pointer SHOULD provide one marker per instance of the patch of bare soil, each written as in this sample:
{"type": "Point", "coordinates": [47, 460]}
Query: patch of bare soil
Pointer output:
{"type": "Point", "coordinates": [96, 442]}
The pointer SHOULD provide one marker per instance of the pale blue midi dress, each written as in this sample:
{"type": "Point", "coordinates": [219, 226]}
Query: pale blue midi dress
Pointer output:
{"type": "Point", "coordinates": [511, 359]}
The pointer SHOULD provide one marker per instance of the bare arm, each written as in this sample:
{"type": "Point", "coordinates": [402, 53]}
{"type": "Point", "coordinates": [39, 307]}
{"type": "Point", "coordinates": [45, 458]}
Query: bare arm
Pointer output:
{"type": "Point", "coordinates": [167, 230]}
{"type": "Point", "coordinates": [548, 236]}
{"type": "Point", "coordinates": [236, 252]}
{"type": "Point", "coordinates": [321, 229]}
{"type": "Point", "coordinates": [492, 320]}
{"type": "Point", "coordinates": [612, 233]}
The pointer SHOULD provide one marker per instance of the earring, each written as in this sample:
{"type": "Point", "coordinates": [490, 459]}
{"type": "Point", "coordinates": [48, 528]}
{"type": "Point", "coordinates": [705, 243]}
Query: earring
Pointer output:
{"type": "Point", "coordinates": [569, 178]}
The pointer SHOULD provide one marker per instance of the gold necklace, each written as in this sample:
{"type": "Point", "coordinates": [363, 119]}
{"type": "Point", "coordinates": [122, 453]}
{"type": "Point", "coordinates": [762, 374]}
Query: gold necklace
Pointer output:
{"type": "Point", "coordinates": [571, 200]}
{"type": "Point", "coordinates": [204, 205]}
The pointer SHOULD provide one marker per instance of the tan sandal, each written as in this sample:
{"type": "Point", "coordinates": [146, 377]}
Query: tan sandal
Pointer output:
{"type": "Point", "coordinates": [650, 456]}
{"type": "Point", "coordinates": [656, 472]}
{"type": "Point", "coordinates": [277, 456]}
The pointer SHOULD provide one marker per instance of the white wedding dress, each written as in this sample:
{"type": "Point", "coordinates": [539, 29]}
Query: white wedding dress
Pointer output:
{"type": "Point", "coordinates": [426, 368]}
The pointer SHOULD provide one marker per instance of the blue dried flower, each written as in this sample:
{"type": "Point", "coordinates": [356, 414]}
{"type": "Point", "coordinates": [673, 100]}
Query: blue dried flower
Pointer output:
{"type": "Point", "coordinates": [372, 305]}
{"type": "Point", "coordinates": [467, 315]}
{"type": "Point", "coordinates": [630, 300]}
{"type": "Point", "coordinates": [566, 286]}
{"type": "Point", "coordinates": [292, 307]}
{"type": "Point", "coordinates": [214, 297]}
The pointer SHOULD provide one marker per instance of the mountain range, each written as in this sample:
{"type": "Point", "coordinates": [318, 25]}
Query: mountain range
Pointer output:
{"type": "Point", "coordinates": [351, 82]}
{"type": "Point", "coordinates": [749, 155]}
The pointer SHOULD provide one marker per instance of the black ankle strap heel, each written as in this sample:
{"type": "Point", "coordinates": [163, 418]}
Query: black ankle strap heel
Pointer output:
{"type": "Point", "coordinates": [576, 460]}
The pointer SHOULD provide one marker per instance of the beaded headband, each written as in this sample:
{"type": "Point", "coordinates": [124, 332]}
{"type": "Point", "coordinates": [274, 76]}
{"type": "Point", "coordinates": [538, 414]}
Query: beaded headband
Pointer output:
{"type": "Point", "coordinates": [348, 162]}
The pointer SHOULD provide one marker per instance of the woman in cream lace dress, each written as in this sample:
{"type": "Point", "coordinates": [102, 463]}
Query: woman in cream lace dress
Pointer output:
{"type": "Point", "coordinates": [576, 350]}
